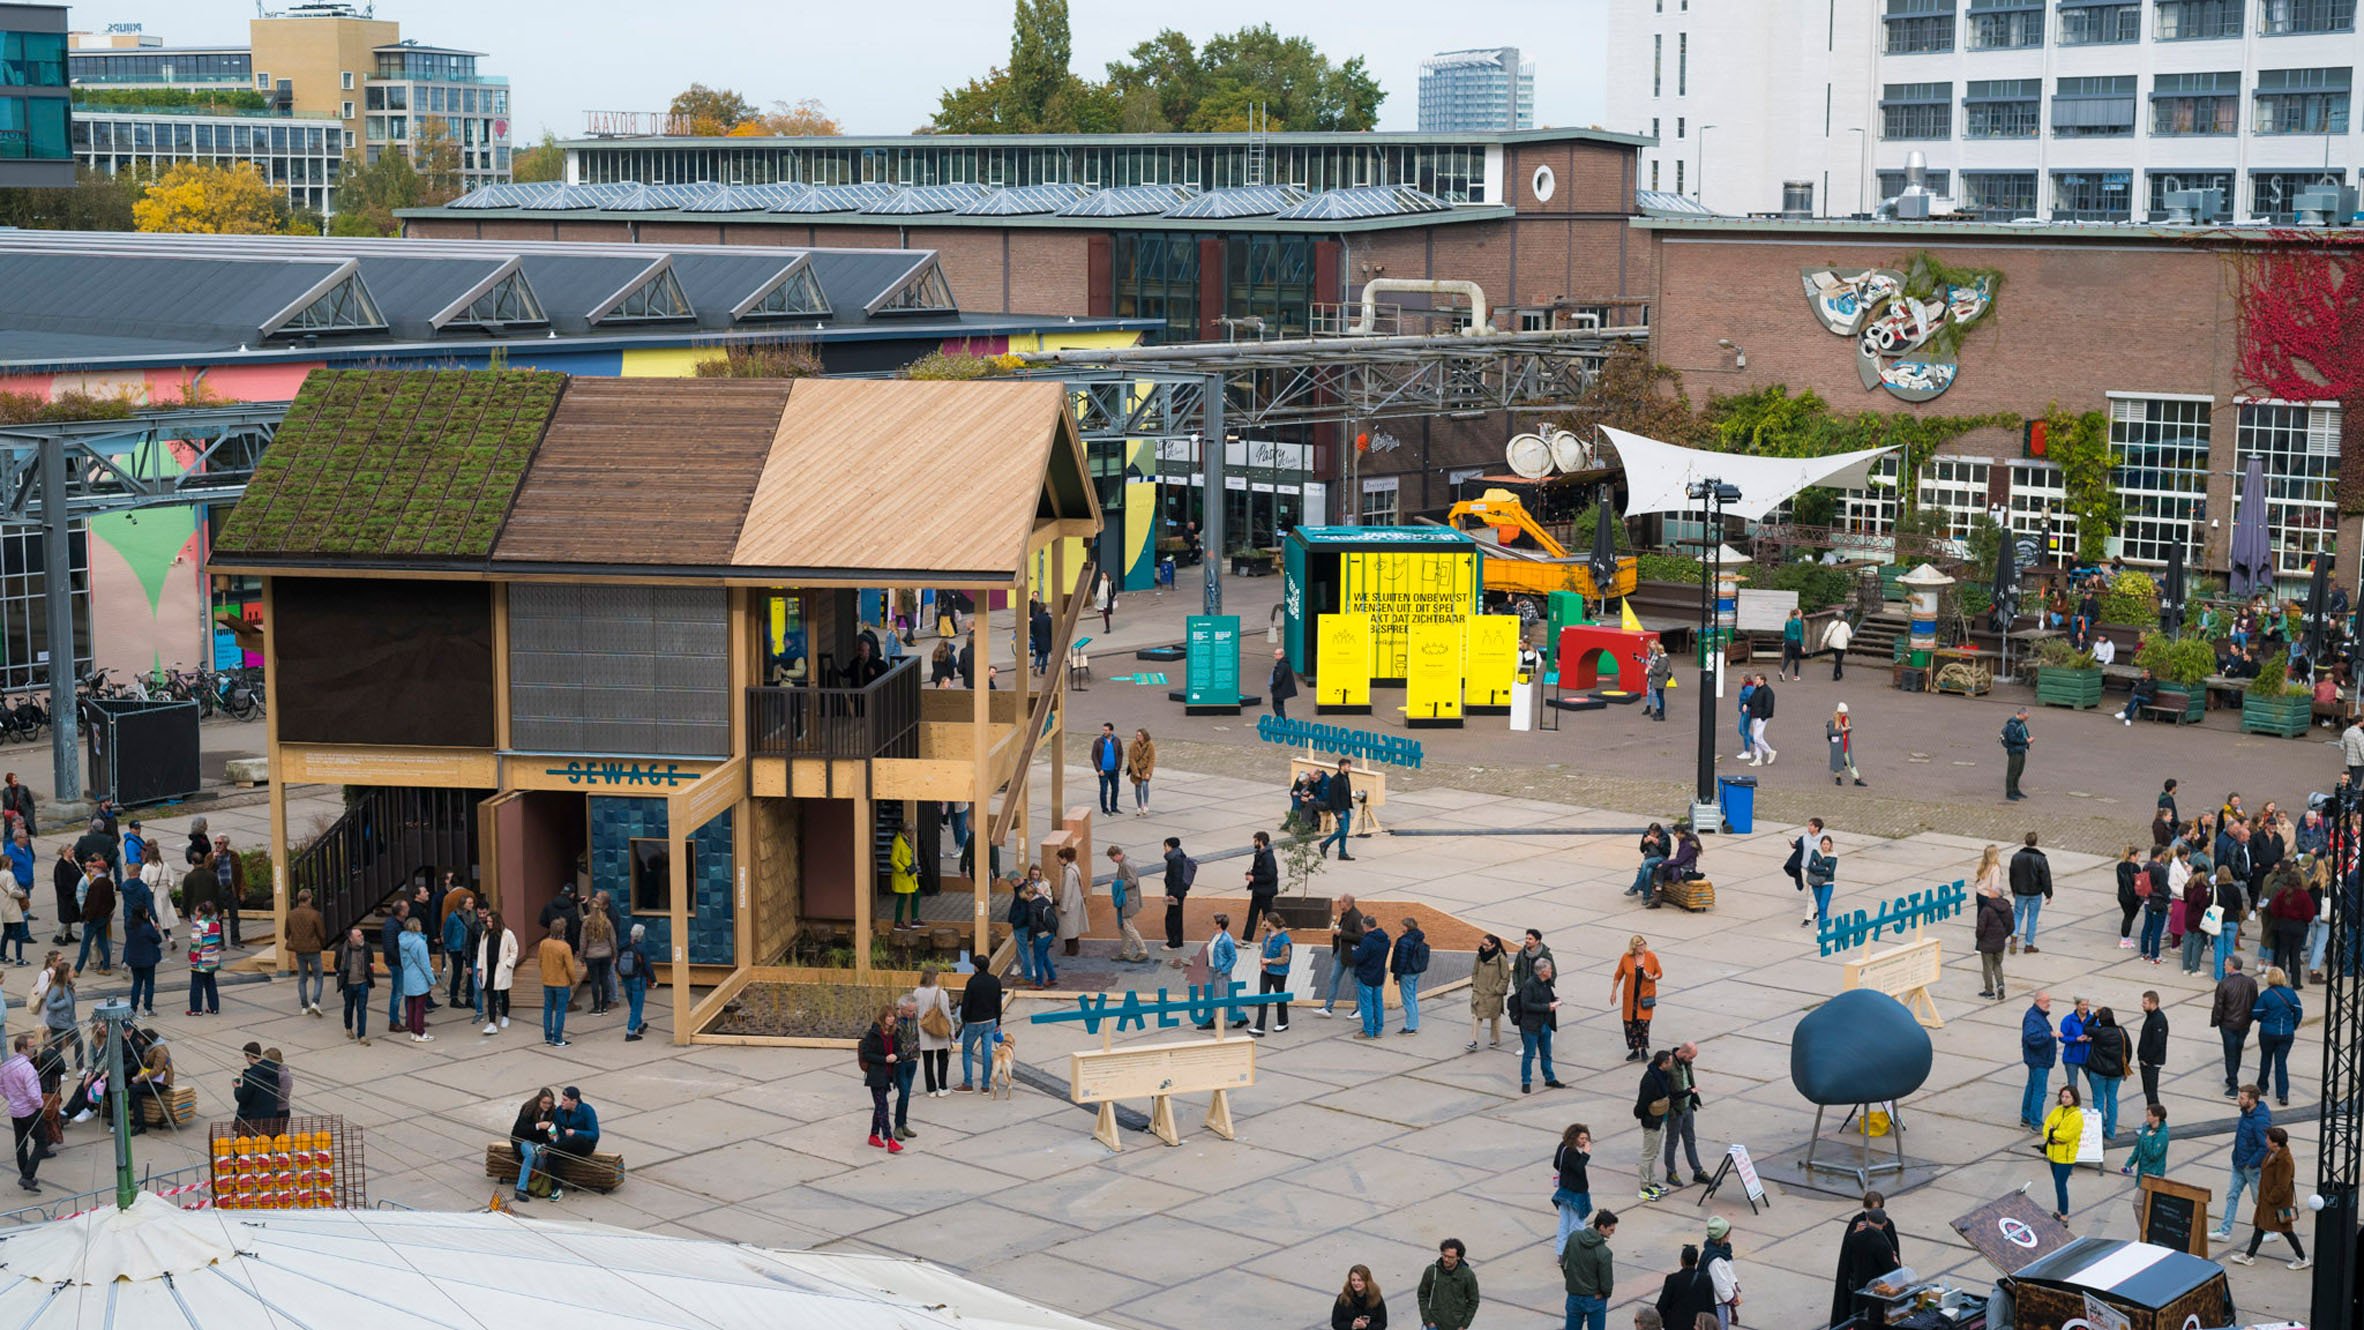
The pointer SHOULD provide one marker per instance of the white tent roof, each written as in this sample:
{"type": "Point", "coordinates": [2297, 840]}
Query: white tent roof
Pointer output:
{"type": "Point", "coordinates": [156, 1265]}
{"type": "Point", "coordinates": [1658, 476]}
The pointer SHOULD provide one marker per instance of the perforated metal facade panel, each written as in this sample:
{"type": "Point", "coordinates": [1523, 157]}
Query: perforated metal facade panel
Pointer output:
{"type": "Point", "coordinates": [619, 670]}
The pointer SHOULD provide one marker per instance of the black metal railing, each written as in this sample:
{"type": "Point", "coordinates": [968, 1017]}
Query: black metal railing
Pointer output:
{"type": "Point", "coordinates": [880, 719]}
{"type": "Point", "coordinates": [386, 836]}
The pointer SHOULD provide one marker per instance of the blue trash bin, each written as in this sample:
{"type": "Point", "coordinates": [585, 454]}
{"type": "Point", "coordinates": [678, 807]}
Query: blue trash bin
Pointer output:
{"type": "Point", "coordinates": [1738, 794]}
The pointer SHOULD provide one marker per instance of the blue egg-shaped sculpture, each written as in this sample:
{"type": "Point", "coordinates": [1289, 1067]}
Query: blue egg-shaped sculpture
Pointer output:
{"type": "Point", "coordinates": [1860, 1047]}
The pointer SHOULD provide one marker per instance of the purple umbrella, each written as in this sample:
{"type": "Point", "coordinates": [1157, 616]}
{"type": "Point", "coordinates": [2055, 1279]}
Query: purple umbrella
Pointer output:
{"type": "Point", "coordinates": [2252, 553]}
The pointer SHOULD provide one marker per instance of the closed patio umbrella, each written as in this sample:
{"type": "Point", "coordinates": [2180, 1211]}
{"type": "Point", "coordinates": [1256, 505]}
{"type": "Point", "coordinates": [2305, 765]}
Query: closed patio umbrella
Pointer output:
{"type": "Point", "coordinates": [2318, 607]}
{"type": "Point", "coordinates": [1604, 540]}
{"type": "Point", "coordinates": [2252, 553]}
{"type": "Point", "coordinates": [2006, 583]}
{"type": "Point", "coordinates": [2171, 598]}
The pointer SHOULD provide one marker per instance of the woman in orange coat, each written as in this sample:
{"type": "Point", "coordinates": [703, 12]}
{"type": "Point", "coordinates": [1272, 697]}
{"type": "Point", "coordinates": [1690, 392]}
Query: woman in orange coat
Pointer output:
{"type": "Point", "coordinates": [1637, 977]}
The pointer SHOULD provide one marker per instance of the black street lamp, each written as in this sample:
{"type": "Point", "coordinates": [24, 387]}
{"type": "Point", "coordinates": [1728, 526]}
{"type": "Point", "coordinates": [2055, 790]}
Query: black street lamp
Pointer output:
{"type": "Point", "coordinates": [1712, 496]}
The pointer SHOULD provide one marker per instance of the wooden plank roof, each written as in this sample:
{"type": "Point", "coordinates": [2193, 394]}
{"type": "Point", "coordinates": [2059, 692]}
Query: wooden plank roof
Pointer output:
{"type": "Point", "coordinates": [893, 476]}
{"type": "Point", "coordinates": [644, 472]}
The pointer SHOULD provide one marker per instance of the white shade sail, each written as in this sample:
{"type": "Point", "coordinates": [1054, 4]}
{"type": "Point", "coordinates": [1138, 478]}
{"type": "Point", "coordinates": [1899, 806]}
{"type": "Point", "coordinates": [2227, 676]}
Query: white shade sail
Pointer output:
{"type": "Point", "coordinates": [1658, 476]}
{"type": "Point", "coordinates": [157, 1266]}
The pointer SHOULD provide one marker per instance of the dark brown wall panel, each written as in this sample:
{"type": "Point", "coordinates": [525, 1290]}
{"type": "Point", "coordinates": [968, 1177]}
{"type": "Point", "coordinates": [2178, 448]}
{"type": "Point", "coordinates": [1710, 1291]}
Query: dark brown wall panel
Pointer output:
{"type": "Point", "coordinates": [383, 662]}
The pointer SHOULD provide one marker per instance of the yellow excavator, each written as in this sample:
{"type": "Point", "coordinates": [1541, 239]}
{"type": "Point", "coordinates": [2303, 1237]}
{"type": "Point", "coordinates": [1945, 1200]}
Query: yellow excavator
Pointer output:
{"type": "Point", "coordinates": [1522, 560]}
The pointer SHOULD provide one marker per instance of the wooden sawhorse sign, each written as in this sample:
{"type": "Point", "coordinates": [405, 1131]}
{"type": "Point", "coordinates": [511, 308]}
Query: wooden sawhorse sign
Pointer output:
{"type": "Point", "coordinates": [1158, 1072]}
{"type": "Point", "coordinates": [1904, 973]}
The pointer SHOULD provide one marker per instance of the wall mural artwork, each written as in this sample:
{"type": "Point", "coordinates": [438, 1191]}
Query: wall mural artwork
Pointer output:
{"type": "Point", "coordinates": [1907, 326]}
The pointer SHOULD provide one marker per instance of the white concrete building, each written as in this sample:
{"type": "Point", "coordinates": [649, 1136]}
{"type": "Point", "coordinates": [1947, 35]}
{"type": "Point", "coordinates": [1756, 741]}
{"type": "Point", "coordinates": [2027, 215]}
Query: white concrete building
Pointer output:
{"type": "Point", "coordinates": [2074, 109]}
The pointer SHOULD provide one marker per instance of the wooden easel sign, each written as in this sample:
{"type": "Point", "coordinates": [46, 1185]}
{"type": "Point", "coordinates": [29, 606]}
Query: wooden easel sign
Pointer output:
{"type": "Point", "coordinates": [1158, 1072]}
{"type": "Point", "coordinates": [1736, 1161]}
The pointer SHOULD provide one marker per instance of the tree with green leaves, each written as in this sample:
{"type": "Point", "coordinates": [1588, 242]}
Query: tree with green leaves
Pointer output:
{"type": "Point", "coordinates": [97, 201]}
{"type": "Point", "coordinates": [1214, 88]}
{"type": "Point", "coordinates": [543, 161]}
{"type": "Point", "coordinates": [369, 192]}
{"type": "Point", "coordinates": [1036, 92]}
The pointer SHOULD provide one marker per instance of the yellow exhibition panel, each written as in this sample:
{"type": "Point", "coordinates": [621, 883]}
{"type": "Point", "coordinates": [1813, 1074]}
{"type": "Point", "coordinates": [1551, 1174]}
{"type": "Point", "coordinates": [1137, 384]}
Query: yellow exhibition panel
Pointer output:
{"type": "Point", "coordinates": [1403, 590]}
{"type": "Point", "coordinates": [1345, 682]}
{"type": "Point", "coordinates": [1493, 658]}
{"type": "Point", "coordinates": [1432, 679]}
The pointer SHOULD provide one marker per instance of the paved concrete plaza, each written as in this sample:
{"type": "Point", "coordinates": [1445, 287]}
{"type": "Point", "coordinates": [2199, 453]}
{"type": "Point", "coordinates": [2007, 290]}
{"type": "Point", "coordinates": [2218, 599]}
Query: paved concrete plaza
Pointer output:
{"type": "Point", "coordinates": [1348, 1152]}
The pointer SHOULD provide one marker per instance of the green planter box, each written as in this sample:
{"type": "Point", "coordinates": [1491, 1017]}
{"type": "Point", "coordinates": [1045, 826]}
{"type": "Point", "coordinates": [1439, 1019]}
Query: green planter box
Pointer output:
{"type": "Point", "coordinates": [2289, 716]}
{"type": "Point", "coordinates": [2080, 689]}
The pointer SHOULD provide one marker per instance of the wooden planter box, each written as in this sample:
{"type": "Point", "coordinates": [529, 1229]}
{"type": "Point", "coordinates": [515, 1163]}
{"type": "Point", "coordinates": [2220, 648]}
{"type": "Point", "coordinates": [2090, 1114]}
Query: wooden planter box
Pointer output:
{"type": "Point", "coordinates": [2080, 689]}
{"type": "Point", "coordinates": [2289, 716]}
{"type": "Point", "coordinates": [2194, 700]}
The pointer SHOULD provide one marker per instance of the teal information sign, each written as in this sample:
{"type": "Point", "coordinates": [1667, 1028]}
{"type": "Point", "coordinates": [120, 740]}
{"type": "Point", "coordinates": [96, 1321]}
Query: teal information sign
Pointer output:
{"type": "Point", "coordinates": [1212, 658]}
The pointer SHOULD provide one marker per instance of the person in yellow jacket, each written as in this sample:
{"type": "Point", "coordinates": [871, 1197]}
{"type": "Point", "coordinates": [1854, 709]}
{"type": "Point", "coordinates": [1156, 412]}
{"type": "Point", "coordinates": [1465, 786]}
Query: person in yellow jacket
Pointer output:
{"type": "Point", "coordinates": [906, 877]}
{"type": "Point", "coordinates": [2064, 1127]}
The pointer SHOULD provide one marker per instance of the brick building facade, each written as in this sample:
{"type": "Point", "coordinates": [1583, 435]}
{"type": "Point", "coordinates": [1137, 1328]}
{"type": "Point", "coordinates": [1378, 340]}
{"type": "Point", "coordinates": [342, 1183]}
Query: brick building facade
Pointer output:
{"type": "Point", "coordinates": [2142, 323]}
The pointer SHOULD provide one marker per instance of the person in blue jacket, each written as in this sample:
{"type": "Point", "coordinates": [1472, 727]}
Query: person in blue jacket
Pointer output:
{"type": "Point", "coordinates": [1222, 959]}
{"type": "Point", "coordinates": [575, 1128]}
{"type": "Point", "coordinates": [2276, 1014]}
{"type": "Point", "coordinates": [1408, 964]}
{"type": "Point", "coordinates": [2038, 1049]}
{"type": "Point", "coordinates": [2075, 1044]}
{"type": "Point", "coordinates": [417, 968]}
{"type": "Point", "coordinates": [2249, 1152]}
{"type": "Point", "coordinates": [1370, 978]}
{"type": "Point", "coordinates": [459, 948]}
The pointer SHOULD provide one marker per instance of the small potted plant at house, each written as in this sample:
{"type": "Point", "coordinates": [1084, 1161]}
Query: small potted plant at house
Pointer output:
{"type": "Point", "coordinates": [2066, 677]}
{"type": "Point", "coordinates": [2274, 704]}
{"type": "Point", "coordinates": [2181, 665]}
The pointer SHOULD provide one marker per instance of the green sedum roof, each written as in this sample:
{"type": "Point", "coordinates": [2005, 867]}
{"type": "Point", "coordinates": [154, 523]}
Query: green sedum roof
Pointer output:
{"type": "Point", "coordinates": [394, 463]}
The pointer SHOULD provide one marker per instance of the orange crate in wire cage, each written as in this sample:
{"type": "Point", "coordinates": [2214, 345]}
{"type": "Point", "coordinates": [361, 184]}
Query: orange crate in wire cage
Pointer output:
{"type": "Point", "coordinates": [297, 1163]}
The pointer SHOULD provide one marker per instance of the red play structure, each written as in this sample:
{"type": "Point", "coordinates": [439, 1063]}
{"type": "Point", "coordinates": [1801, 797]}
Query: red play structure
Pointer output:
{"type": "Point", "coordinates": [1582, 645]}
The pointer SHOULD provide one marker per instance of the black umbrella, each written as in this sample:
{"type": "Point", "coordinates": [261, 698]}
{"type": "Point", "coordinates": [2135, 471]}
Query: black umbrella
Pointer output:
{"type": "Point", "coordinates": [2318, 607]}
{"type": "Point", "coordinates": [2171, 599]}
{"type": "Point", "coordinates": [1604, 543]}
{"type": "Point", "coordinates": [2006, 583]}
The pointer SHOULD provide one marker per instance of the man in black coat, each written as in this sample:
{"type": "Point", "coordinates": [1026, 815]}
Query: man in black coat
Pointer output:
{"type": "Point", "coordinates": [1341, 803]}
{"type": "Point", "coordinates": [1687, 1295]}
{"type": "Point", "coordinates": [1178, 874]}
{"type": "Point", "coordinates": [2031, 886]}
{"type": "Point", "coordinates": [1283, 685]}
{"type": "Point", "coordinates": [1867, 1251]}
{"type": "Point", "coordinates": [1651, 1103]}
{"type": "Point", "coordinates": [2150, 1049]}
{"type": "Point", "coordinates": [1263, 884]}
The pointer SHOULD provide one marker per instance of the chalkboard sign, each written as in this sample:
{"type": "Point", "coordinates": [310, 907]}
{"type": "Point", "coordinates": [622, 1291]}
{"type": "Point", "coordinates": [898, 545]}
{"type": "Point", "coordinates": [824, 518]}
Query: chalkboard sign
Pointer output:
{"type": "Point", "coordinates": [2175, 1216]}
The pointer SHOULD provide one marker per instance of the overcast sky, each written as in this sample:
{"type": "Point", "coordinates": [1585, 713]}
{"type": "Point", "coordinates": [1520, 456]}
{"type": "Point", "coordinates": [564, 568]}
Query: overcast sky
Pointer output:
{"type": "Point", "coordinates": [879, 66]}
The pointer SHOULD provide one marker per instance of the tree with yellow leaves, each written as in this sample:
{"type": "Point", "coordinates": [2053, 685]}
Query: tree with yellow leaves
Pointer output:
{"type": "Point", "coordinates": [211, 200]}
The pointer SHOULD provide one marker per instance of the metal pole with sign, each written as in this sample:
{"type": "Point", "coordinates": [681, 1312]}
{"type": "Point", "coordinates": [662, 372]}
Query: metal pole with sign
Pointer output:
{"type": "Point", "coordinates": [1211, 460]}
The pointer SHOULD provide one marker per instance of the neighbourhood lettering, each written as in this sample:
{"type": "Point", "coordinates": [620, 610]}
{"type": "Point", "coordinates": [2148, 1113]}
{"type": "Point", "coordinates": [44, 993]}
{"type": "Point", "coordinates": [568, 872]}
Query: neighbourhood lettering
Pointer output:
{"type": "Point", "coordinates": [1394, 750]}
{"type": "Point", "coordinates": [1133, 1014]}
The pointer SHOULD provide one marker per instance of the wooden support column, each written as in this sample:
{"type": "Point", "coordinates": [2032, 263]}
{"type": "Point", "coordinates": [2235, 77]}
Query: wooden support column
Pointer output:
{"type": "Point", "coordinates": [678, 886]}
{"type": "Point", "coordinates": [981, 802]}
{"type": "Point", "coordinates": [1053, 594]}
{"type": "Point", "coordinates": [744, 653]}
{"type": "Point", "coordinates": [278, 787]}
{"type": "Point", "coordinates": [865, 878]}
{"type": "Point", "coordinates": [1022, 640]}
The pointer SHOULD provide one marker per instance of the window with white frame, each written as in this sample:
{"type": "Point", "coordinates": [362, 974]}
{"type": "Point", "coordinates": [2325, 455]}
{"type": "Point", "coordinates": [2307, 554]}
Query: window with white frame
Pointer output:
{"type": "Point", "coordinates": [1379, 501]}
{"type": "Point", "coordinates": [1871, 511]}
{"type": "Point", "coordinates": [1956, 487]}
{"type": "Point", "coordinates": [2159, 466]}
{"type": "Point", "coordinates": [2300, 444]}
{"type": "Point", "coordinates": [2037, 496]}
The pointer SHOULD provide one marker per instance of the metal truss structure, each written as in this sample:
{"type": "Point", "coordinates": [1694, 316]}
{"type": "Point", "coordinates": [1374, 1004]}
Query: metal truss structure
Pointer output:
{"type": "Point", "coordinates": [54, 474]}
{"type": "Point", "coordinates": [2340, 1152]}
{"type": "Point", "coordinates": [1162, 391]}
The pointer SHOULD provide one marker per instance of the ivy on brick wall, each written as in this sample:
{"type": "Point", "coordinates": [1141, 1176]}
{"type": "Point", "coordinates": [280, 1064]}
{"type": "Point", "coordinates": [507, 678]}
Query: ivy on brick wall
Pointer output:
{"type": "Point", "coordinates": [2080, 444]}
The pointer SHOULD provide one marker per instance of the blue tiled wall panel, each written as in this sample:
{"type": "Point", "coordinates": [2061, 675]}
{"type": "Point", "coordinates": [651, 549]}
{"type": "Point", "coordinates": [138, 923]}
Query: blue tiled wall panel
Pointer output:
{"type": "Point", "coordinates": [616, 823]}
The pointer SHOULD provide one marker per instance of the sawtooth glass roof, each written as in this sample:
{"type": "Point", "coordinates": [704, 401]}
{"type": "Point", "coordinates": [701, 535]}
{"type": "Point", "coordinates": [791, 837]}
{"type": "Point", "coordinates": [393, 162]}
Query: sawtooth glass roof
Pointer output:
{"type": "Point", "coordinates": [146, 294]}
{"type": "Point", "coordinates": [1279, 202]}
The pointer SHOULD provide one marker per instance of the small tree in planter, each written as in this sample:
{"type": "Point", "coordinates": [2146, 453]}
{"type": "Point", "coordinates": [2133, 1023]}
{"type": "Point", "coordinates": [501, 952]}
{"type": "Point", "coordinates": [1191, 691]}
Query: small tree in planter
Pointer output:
{"type": "Point", "coordinates": [1301, 859]}
{"type": "Point", "coordinates": [2274, 704]}
{"type": "Point", "coordinates": [2181, 664]}
{"type": "Point", "coordinates": [2066, 677]}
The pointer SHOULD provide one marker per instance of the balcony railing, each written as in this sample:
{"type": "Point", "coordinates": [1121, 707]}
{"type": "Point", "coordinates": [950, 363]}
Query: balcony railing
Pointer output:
{"type": "Point", "coordinates": [879, 720]}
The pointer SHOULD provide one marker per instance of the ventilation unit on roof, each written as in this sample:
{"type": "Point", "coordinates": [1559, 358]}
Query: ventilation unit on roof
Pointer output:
{"type": "Point", "coordinates": [2188, 206]}
{"type": "Point", "coordinates": [2326, 205]}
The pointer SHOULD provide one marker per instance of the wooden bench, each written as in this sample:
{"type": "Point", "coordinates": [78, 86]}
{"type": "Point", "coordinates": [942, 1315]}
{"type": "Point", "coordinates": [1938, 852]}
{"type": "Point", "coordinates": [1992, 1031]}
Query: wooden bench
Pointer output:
{"type": "Point", "coordinates": [184, 1107]}
{"type": "Point", "coordinates": [1696, 895]}
{"type": "Point", "coordinates": [595, 1172]}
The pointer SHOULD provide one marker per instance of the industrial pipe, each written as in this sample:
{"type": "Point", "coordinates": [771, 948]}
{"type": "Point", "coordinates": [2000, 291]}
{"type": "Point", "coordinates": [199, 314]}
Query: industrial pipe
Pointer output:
{"type": "Point", "coordinates": [1480, 314]}
{"type": "Point", "coordinates": [1193, 351]}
